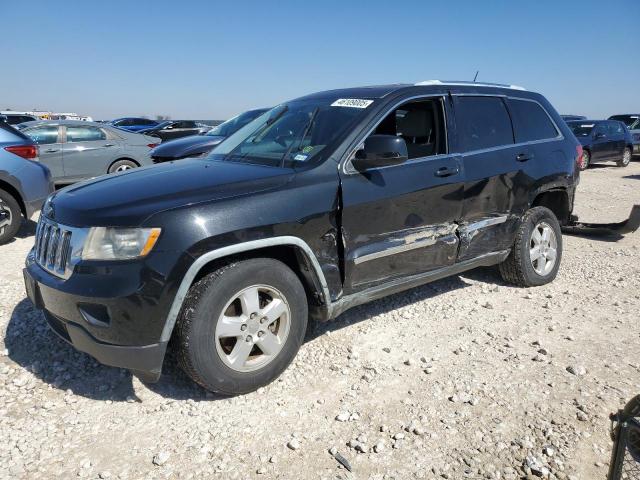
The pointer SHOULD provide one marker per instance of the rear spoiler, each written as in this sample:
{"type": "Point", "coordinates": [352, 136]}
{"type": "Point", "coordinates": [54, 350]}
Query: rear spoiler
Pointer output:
{"type": "Point", "coordinates": [630, 225]}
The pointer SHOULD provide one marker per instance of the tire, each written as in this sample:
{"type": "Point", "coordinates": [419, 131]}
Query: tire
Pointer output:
{"type": "Point", "coordinates": [586, 160]}
{"type": "Point", "coordinates": [10, 217]}
{"type": "Point", "coordinates": [122, 166]}
{"type": "Point", "coordinates": [519, 268]}
{"type": "Point", "coordinates": [626, 158]}
{"type": "Point", "coordinates": [211, 350]}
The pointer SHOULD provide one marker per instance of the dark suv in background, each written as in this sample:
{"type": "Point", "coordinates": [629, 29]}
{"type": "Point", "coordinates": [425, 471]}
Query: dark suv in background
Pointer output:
{"type": "Point", "coordinates": [632, 121]}
{"type": "Point", "coordinates": [603, 141]}
{"type": "Point", "coordinates": [321, 204]}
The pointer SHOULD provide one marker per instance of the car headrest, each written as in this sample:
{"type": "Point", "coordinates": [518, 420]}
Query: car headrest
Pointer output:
{"type": "Point", "coordinates": [415, 123]}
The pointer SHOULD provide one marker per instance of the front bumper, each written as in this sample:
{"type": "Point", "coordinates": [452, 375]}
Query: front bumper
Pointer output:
{"type": "Point", "coordinates": [111, 316]}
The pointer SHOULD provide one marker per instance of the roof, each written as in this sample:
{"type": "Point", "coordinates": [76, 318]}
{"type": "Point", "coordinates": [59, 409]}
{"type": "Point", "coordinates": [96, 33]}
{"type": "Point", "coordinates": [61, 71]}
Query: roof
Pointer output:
{"type": "Point", "coordinates": [381, 91]}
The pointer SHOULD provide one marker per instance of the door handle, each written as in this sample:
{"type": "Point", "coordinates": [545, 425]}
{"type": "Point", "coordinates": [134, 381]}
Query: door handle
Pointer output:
{"type": "Point", "coordinates": [446, 171]}
{"type": "Point", "coordinates": [108, 145]}
{"type": "Point", "coordinates": [524, 157]}
{"type": "Point", "coordinates": [51, 150]}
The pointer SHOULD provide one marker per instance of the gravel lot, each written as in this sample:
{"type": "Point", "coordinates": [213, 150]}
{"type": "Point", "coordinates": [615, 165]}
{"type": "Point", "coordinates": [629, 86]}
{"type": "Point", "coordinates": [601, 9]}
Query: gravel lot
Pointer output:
{"type": "Point", "coordinates": [463, 378]}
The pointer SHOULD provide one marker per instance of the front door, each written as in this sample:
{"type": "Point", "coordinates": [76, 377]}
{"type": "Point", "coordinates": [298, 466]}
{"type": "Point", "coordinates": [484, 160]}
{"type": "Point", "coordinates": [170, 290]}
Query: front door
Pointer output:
{"type": "Point", "coordinates": [87, 152]}
{"type": "Point", "coordinates": [601, 148]}
{"type": "Point", "coordinates": [400, 220]}
{"type": "Point", "coordinates": [617, 139]}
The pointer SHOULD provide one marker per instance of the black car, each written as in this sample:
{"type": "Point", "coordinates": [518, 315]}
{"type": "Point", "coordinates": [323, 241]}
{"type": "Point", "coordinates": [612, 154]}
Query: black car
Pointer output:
{"type": "Point", "coordinates": [323, 203]}
{"type": "Point", "coordinates": [603, 141]}
{"type": "Point", "coordinates": [196, 146]}
{"type": "Point", "coordinates": [172, 129]}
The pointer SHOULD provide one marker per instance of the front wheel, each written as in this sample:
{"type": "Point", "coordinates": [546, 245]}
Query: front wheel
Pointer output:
{"type": "Point", "coordinates": [242, 325]}
{"type": "Point", "coordinates": [626, 158]}
{"type": "Point", "coordinates": [537, 250]}
{"type": "Point", "coordinates": [10, 217]}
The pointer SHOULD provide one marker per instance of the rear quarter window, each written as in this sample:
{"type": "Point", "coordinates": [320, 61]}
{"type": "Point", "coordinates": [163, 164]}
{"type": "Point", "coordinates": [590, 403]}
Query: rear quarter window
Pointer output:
{"type": "Point", "coordinates": [483, 122]}
{"type": "Point", "coordinates": [530, 121]}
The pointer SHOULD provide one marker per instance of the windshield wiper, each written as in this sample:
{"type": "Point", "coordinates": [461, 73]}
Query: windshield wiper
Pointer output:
{"type": "Point", "coordinates": [302, 137]}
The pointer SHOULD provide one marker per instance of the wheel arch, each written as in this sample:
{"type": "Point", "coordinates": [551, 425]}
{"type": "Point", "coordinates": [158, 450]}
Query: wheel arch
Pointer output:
{"type": "Point", "coordinates": [123, 158]}
{"type": "Point", "coordinates": [11, 190]}
{"type": "Point", "coordinates": [556, 200]}
{"type": "Point", "coordinates": [292, 251]}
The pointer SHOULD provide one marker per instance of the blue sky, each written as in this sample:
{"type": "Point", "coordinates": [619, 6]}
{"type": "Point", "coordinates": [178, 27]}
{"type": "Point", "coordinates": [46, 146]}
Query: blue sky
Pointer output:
{"type": "Point", "coordinates": [206, 59]}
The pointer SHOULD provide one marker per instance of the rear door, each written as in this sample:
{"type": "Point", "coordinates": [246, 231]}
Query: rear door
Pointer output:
{"type": "Point", "coordinates": [616, 138]}
{"type": "Point", "coordinates": [401, 220]}
{"type": "Point", "coordinates": [88, 152]}
{"type": "Point", "coordinates": [49, 139]}
{"type": "Point", "coordinates": [496, 188]}
{"type": "Point", "coordinates": [601, 148]}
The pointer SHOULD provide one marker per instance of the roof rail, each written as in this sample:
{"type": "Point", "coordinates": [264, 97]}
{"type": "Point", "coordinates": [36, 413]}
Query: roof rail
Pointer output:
{"type": "Point", "coordinates": [464, 83]}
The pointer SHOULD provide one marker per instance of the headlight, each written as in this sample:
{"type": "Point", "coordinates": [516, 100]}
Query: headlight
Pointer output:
{"type": "Point", "coordinates": [107, 243]}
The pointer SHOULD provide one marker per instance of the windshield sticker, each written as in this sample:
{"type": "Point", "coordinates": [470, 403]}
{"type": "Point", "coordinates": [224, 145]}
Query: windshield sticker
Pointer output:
{"type": "Point", "coordinates": [308, 149]}
{"type": "Point", "coordinates": [300, 158]}
{"type": "Point", "coordinates": [588, 125]}
{"type": "Point", "coordinates": [352, 103]}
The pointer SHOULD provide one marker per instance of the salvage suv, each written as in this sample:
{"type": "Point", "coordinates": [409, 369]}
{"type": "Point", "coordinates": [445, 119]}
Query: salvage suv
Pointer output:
{"type": "Point", "coordinates": [318, 205]}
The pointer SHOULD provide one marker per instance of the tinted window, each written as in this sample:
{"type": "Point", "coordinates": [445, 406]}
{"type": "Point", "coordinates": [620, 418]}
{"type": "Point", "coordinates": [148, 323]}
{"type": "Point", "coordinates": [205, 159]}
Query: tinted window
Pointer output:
{"type": "Point", "coordinates": [43, 135]}
{"type": "Point", "coordinates": [581, 129]}
{"type": "Point", "coordinates": [84, 134]}
{"type": "Point", "coordinates": [530, 121]}
{"type": "Point", "coordinates": [615, 128]}
{"type": "Point", "coordinates": [483, 122]}
{"type": "Point", "coordinates": [143, 121]}
{"type": "Point", "coordinates": [185, 124]}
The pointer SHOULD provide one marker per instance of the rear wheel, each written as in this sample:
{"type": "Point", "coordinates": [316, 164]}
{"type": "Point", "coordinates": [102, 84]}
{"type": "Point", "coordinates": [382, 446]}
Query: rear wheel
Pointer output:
{"type": "Point", "coordinates": [122, 166]}
{"type": "Point", "coordinates": [537, 250]}
{"type": "Point", "coordinates": [626, 158]}
{"type": "Point", "coordinates": [10, 217]}
{"type": "Point", "coordinates": [586, 160]}
{"type": "Point", "coordinates": [242, 325]}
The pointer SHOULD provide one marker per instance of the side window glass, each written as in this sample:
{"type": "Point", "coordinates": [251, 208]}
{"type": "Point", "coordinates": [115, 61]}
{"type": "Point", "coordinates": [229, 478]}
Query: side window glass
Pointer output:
{"type": "Point", "coordinates": [84, 134]}
{"type": "Point", "coordinates": [615, 128]}
{"type": "Point", "coordinates": [483, 122]}
{"type": "Point", "coordinates": [530, 121]}
{"type": "Point", "coordinates": [420, 124]}
{"type": "Point", "coordinates": [43, 135]}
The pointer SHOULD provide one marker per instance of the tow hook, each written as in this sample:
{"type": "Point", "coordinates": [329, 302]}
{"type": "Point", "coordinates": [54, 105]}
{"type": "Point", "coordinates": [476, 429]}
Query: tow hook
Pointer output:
{"type": "Point", "coordinates": [630, 225]}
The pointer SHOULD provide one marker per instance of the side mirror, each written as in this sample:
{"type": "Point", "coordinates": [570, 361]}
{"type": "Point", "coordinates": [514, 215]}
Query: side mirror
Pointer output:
{"type": "Point", "coordinates": [381, 151]}
{"type": "Point", "coordinates": [598, 136]}
{"type": "Point", "coordinates": [169, 127]}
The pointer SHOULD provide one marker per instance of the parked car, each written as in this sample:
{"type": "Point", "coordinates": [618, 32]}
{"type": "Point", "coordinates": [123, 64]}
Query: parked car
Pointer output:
{"type": "Point", "coordinates": [24, 182]}
{"type": "Point", "coordinates": [603, 141]}
{"type": "Point", "coordinates": [173, 129]}
{"type": "Point", "coordinates": [132, 124]}
{"type": "Point", "coordinates": [16, 118]}
{"type": "Point", "coordinates": [568, 118]}
{"type": "Point", "coordinates": [75, 150]}
{"type": "Point", "coordinates": [632, 121]}
{"type": "Point", "coordinates": [196, 146]}
{"type": "Point", "coordinates": [323, 203]}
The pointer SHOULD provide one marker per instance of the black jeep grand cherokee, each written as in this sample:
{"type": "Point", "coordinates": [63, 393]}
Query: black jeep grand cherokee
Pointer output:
{"type": "Point", "coordinates": [318, 205]}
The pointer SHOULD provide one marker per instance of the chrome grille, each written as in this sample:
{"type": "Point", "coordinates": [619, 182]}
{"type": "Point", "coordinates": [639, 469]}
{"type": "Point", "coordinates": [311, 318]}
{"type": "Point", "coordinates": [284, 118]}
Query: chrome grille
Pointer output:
{"type": "Point", "coordinates": [53, 247]}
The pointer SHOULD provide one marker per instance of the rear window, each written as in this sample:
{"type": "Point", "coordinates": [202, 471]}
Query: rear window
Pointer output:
{"type": "Point", "coordinates": [483, 122]}
{"type": "Point", "coordinates": [530, 121]}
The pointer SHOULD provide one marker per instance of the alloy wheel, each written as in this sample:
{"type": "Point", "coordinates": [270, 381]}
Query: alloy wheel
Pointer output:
{"type": "Point", "coordinates": [543, 249]}
{"type": "Point", "coordinates": [626, 157]}
{"type": "Point", "coordinates": [123, 168]}
{"type": "Point", "coordinates": [252, 328]}
{"type": "Point", "coordinates": [5, 217]}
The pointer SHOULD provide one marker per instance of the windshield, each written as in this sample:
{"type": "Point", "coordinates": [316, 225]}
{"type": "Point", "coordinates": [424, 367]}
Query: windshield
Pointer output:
{"type": "Point", "coordinates": [292, 134]}
{"type": "Point", "coordinates": [234, 124]}
{"type": "Point", "coordinates": [581, 129]}
{"type": "Point", "coordinates": [631, 121]}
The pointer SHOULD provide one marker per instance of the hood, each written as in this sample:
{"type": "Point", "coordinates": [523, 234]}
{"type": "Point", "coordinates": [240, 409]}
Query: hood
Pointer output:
{"type": "Point", "coordinates": [128, 198]}
{"type": "Point", "coordinates": [187, 146]}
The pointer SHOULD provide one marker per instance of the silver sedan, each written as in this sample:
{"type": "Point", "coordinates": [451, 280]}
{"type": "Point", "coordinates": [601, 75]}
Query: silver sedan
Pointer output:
{"type": "Point", "coordinates": [76, 150]}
